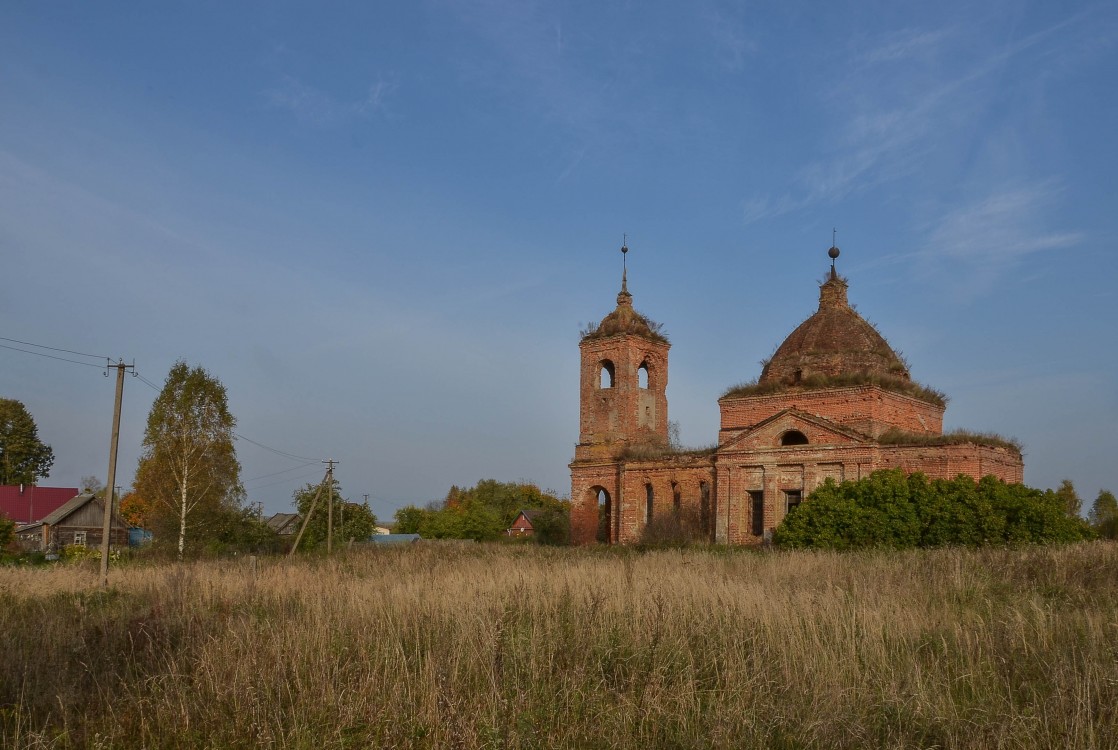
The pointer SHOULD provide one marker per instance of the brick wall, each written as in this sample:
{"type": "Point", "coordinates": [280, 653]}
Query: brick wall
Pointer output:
{"type": "Point", "coordinates": [869, 409]}
{"type": "Point", "coordinates": [613, 417]}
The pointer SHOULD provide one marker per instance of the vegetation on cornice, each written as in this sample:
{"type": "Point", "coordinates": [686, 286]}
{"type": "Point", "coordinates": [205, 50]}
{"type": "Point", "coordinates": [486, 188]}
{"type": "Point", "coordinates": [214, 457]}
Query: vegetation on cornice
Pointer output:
{"type": "Point", "coordinates": [819, 382]}
{"type": "Point", "coordinates": [638, 325]}
{"type": "Point", "coordinates": [955, 437]}
{"type": "Point", "coordinates": [648, 452]}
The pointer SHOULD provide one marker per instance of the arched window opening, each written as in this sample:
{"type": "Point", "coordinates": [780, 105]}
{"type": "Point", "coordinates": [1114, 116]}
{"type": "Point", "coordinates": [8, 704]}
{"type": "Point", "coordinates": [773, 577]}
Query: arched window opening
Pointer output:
{"type": "Point", "coordinates": [706, 517]}
{"type": "Point", "coordinates": [648, 503]}
{"type": "Point", "coordinates": [642, 375]}
{"type": "Point", "coordinates": [677, 500]}
{"type": "Point", "coordinates": [793, 437]}
{"type": "Point", "coordinates": [605, 516]}
{"type": "Point", "coordinates": [606, 375]}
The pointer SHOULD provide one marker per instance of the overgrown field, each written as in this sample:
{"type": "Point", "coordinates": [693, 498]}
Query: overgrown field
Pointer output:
{"type": "Point", "coordinates": [515, 647]}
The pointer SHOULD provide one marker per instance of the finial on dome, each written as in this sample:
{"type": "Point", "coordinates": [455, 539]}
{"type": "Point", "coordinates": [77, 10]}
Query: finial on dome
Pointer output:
{"type": "Point", "coordinates": [624, 265]}
{"type": "Point", "coordinates": [833, 252]}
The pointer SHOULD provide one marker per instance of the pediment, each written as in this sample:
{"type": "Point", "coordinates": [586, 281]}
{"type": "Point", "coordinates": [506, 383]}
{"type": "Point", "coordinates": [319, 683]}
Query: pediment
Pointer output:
{"type": "Point", "coordinates": [767, 435]}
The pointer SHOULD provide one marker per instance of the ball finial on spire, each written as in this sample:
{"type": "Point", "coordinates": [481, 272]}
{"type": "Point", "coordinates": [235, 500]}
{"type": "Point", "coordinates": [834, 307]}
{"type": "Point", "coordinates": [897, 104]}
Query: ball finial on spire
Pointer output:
{"type": "Point", "coordinates": [833, 252]}
{"type": "Point", "coordinates": [624, 264]}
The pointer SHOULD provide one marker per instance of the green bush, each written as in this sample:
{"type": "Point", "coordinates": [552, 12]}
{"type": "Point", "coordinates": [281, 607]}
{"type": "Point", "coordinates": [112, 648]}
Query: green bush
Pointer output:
{"type": "Point", "coordinates": [7, 532]}
{"type": "Point", "coordinates": [1104, 515]}
{"type": "Point", "coordinates": [893, 510]}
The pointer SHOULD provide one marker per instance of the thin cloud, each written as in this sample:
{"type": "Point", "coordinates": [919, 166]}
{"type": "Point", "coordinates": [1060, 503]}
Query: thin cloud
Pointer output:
{"type": "Point", "coordinates": [1000, 228]}
{"type": "Point", "coordinates": [906, 44]}
{"type": "Point", "coordinates": [975, 244]}
{"type": "Point", "coordinates": [902, 112]}
{"type": "Point", "coordinates": [731, 44]}
{"type": "Point", "coordinates": [314, 106]}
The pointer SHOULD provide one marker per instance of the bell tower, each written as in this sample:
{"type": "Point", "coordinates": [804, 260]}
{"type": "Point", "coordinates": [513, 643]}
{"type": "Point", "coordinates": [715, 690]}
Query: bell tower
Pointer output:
{"type": "Point", "coordinates": [622, 404]}
{"type": "Point", "coordinates": [624, 378]}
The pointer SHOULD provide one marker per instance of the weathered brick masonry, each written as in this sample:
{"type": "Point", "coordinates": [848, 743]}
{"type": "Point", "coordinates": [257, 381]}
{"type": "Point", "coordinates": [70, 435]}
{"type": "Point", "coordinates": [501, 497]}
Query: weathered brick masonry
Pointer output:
{"type": "Point", "coordinates": [834, 402]}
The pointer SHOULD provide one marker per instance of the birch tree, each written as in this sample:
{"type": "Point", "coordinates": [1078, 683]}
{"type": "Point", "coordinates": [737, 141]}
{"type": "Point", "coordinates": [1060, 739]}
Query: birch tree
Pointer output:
{"type": "Point", "coordinates": [188, 470]}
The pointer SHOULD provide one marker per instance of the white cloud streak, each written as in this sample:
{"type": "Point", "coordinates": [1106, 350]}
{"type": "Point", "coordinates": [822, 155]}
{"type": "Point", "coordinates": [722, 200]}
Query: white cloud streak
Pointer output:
{"type": "Point", "coordinates": [903, 112]}
{"type": "Point", "coordinates": [314, 106]}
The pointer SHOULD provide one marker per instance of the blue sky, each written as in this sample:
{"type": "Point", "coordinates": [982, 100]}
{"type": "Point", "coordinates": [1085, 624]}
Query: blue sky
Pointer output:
{"type": "Point", "coordinates": [381, 225]}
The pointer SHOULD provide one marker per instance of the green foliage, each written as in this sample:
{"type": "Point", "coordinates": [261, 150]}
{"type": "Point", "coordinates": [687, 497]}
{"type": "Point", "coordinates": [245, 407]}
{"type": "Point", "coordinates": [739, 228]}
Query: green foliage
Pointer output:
{"type": "Point", "coordinates": [7, 531]}
{"type": "Point", "coordinates": [233, 530]}
{"type": "Point", "coordinates": [75, 553]}
{"type": "Point", "coordinates": [485, 512]}
{"type": "Point", "coordinates": [352, 521]}
{"type": "Point", "coordinates": [24, 459]}
{"type": "Point", "coordinates": [189, 471]}
{"type": "Point", "coordinates": [409, 519]}
{"type": "Point", "coordinates": [1073, 506]}
{"type": "Point", "coordinates": [1104, 515]}
{"type": "Point", "coordinates": [553, 526]}
{"type": "Point", "coordinates": [893, 510]}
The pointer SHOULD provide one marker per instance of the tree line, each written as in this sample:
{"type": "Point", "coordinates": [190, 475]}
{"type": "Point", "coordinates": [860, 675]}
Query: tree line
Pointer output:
{"type": "Point", "coordinates": [485, 512]}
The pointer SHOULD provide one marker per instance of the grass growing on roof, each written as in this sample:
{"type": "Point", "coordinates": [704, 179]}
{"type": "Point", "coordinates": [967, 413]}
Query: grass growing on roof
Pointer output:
{"type": "Point", "coordinates": [816, 382]}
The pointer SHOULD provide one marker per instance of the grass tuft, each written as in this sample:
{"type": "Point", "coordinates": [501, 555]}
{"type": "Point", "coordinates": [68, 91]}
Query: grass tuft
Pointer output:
{"type": "Point", "coordinates": [819, 382]}
{"type": "Point", "coordinates": [955, 437]}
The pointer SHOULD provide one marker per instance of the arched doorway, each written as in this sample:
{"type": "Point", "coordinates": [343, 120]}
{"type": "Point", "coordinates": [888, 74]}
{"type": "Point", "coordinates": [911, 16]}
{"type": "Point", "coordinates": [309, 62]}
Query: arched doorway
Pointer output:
{"type": "Point", "coordinates": [605, 514]}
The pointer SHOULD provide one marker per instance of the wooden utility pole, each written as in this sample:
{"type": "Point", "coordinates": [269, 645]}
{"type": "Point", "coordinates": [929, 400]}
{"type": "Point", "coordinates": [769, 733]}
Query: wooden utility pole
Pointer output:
{"type": "Point", "coordinates": [330, 505]}
{"type": "Point", "coordinates": [107, 526]}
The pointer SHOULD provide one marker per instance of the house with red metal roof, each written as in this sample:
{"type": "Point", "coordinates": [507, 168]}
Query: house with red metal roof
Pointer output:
{"type": "Point", "coordinates": [79, 521]}
{"type": "Point", "coordinates": [26, 503]}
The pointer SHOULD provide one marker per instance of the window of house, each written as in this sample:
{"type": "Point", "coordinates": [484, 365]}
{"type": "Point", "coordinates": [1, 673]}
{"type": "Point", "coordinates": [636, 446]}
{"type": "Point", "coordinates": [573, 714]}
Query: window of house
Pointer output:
{"type": "Point", "coordinates": [79, 538]}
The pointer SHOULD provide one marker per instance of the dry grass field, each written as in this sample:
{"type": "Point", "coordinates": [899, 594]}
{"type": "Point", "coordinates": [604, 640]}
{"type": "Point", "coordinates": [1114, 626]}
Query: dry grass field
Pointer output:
{"type": "Point", "coordinates": [522, 647]}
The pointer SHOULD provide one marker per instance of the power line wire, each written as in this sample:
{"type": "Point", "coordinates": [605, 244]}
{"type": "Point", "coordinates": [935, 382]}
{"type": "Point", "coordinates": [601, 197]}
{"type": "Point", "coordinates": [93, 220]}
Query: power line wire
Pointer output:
{"type": "Point", "coordinates": [277, 451]}
{"type": "Point", "coordinates": [51, 356]}
{"type": "Point", "coordinates": [307, 459]}
{"type": "Point", "coordinates": [285, 481]}
{"type": "Point", "coordinates": [53, 348]}
{"type": "Point", "coordinates": [147, 382]}
{"type": "Point", "coordinates": [282, 471]}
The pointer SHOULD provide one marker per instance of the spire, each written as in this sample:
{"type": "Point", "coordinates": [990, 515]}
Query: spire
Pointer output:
{"type": "Point", "coordinates": [624, 298]}
{"type": "Point", "coordinates": [833, 253]}
{"type": "Point", "coordinates": [832, 294]}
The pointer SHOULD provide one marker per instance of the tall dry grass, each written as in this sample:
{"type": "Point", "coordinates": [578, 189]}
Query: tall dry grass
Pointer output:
{"type": "Point", "coordinates": [518, 647]}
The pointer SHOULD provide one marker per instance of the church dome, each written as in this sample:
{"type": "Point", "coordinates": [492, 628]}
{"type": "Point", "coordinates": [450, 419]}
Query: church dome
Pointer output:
{"type": "Point", "coordinates": [625, 320]}
{"type": "Point", "coordinates": [835, 342]}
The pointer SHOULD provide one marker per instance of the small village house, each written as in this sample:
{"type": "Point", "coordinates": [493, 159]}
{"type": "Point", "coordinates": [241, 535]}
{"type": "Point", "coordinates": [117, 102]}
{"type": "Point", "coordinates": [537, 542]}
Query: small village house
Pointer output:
{"type": "Point", "coordinates": [522, 525]}
{"type": "Point", "coordinates": [79, 521]}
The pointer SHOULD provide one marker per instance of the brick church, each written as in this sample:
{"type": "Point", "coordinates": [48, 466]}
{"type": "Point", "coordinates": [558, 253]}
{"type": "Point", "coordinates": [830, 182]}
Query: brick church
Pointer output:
{"type": "Point", "coordinates": [834, 402]}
